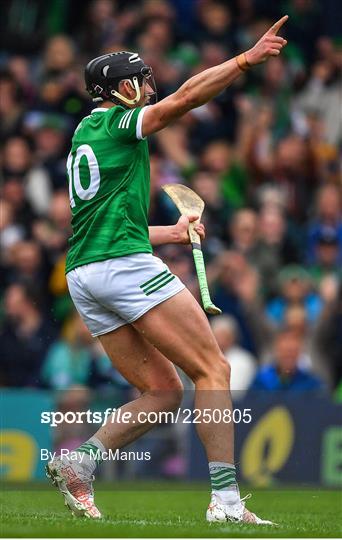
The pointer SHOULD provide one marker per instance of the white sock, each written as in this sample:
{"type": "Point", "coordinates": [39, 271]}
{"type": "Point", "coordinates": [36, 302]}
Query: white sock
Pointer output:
{"type": "Point", "coordinates": [90, 454]}
{"type": "Point", "coordinates": [223, 481]}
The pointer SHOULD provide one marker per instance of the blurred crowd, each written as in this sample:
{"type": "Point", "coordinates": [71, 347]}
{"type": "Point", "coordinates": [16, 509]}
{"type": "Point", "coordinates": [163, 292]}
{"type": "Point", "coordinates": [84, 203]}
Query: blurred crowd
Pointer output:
{"type": "Point", "coordinates": [264, 156]}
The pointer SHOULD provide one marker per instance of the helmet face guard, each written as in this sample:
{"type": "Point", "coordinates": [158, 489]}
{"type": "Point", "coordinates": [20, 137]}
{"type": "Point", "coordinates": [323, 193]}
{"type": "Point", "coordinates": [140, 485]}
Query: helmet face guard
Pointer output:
{"type": "Point", "coordinates": [144, 77]}
{"type": "Point", "coordinates": [147, 73]}
{"type": "Point", "coordinates": [104, 74]}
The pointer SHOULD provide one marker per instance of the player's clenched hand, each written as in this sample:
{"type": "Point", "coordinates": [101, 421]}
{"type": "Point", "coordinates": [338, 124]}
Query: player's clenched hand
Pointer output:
{"type": "Point", "coordinates": [182, 229]}
{"type": "Point", "coordinates": [268, 45]}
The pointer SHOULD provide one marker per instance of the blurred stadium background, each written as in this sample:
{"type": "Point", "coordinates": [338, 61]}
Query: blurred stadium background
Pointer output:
{"type": "Point", "coordinates": [264, 155]}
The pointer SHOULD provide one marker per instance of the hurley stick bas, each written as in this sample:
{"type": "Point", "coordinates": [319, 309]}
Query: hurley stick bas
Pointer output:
{"type": "Point", "coordinates": [189, 203]}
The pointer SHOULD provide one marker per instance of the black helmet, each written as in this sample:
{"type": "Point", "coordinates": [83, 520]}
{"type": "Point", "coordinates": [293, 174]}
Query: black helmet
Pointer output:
{"type": "Point", "coordinates": [103, 74]}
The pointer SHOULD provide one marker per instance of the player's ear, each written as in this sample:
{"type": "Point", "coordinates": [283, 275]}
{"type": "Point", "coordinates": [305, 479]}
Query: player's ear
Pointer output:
{"type": "Point", "coordinates": [125, 88]}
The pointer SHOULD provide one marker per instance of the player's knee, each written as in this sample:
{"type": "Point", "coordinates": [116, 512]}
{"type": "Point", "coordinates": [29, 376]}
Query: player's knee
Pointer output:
{"type": "Point", "coordinates": [224, 369]}
{"type": "Point", "coordinates": [173, 387]}
{"type": "Point", "coordinates": [168, 394]}
{"type": "Point", "coordinates": [220, 372]}
{"type": "Point", "coordinates": [216, 373]}
{"type": "Point", "coordinates": [173, 401]}
{"type": "Point", "coordinates": [173, 396]}
{"type": "Point", "coordinates": [168, 400]}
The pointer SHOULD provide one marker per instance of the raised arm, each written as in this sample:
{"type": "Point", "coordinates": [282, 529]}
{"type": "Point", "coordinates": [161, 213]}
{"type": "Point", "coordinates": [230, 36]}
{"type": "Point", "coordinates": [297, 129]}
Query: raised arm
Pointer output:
{"type": "Point", "coordinates": [209, 83]}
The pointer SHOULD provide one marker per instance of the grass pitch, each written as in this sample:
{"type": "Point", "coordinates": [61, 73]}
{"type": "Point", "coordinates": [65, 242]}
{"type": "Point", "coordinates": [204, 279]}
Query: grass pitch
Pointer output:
{"type": "Point", "coordinates": [167, 510]}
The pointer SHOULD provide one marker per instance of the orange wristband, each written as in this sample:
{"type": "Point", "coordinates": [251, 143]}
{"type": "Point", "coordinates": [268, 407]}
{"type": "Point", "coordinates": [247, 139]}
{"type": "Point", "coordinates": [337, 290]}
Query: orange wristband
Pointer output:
{"type": "Point", "coordinates": [242, 62]}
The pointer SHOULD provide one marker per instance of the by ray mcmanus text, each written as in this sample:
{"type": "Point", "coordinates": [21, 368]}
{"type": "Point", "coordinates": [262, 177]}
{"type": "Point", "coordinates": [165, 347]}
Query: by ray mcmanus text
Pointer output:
{"type": "Point", "coordinates": [98, 455]}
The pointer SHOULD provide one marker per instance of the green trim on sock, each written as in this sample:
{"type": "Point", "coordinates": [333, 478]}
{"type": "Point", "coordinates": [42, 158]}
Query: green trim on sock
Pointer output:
{"type": "Point", "coordinates": [223, 482]}
{"type": "Point", "coordinates": [88, 448]}
{"type": "Point", "coordinates": [222, 485]}
{"type": "Point", "coordinates": [219, 474]}
{"type": "Point", "coordinates": [223, 478]}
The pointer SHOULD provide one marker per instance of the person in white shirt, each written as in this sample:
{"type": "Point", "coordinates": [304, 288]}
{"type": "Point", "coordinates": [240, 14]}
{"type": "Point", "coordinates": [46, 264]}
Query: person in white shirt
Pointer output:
{"type": "Point", "coordinates": [243, 364]}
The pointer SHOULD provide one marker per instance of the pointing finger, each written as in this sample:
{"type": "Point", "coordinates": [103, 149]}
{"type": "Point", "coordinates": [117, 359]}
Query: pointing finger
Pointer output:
{"type": "Point", "coordinates": [276, 26]}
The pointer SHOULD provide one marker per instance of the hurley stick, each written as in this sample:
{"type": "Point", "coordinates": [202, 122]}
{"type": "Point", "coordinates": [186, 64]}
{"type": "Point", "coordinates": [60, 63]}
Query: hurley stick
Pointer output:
{"type": "Point", "coordinates": [189, 203]}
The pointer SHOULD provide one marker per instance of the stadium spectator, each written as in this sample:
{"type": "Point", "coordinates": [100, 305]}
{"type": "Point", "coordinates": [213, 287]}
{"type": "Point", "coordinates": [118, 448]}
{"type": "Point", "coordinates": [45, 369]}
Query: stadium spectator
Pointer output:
{"type": "Point", "coordinates": [326, 256]}
{"type": "Point", "coordinates": [59, 56]}
{"type": "Point", "coordinates": [295, 170]}
{"type": "Point", "coordinates": [24, 338]}
{"type": "Point", "coordinates": [19, 67]}
{"type": "Point", "coordinates": [18, 164]}
{"type": "Point", "coordinates": [217, 210]}
{"type": "Point", "coordinates": [236, 291]}
{"type": "Point", "coordinates": [53, 232]}
{"type": "Point", "coordinates": [180, 263]}
{"type": "Point", "coordinates": [244, 232]}
{"type": "Point", "coordinates": [296, 321]}
{"type": "Point", "coordinates": [50, 138]}
{"type": "Point", "coordinates": [324, 152]}
{"type": "Point", "coordinates": [272, 98]}
{"type": "Point", "coordinates": [284, 374]}
{"type": "Point", "coordinates": [242, 363]}
{"type": "Point", "coordinates": [327, 339]}
{"type": "Point", "coordinates": [321, 95]}
{"type": "Point", "coordinates": [295, 289]}
{"type": "Point", "coordinates": [305, 24]}
{"type": "Point", "coordinates": [161, 212]}
{"type": "Point", "coordinates": [77, 360]}
{"type": "Point", "coordinates": [225, 161]}
{"type": "Point", "coordinates": [216, 25]}
{"type": "Point", "coordinates": [100, 28]}
{"type": "Point", "coordinates": [276, 247]}
{"type": "Point", "coordinates": [327, 220]}
{"type": "Point", "coordinates": [261, 239]}
{"type": "Point", "coordinates": [10, 231]}
{"type": "Point", "coordinates": [13, 192]}
{"type": "Point", "coordinates": [256, 119]}
{"type": "Point", "coordinates": [11, 106]}
{"type": "Point", "coordinates": [27, 265]}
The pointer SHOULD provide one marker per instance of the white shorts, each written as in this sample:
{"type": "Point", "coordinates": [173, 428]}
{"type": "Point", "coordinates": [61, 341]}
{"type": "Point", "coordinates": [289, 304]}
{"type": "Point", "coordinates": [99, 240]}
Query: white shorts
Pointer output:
{"type": "Point", "coordinates": [111, 293]}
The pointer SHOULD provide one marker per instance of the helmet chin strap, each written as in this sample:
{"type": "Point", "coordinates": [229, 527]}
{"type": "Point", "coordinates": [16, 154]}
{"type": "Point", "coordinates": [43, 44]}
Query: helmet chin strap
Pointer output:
{"type": "Point", "coordinates": [135, 86]}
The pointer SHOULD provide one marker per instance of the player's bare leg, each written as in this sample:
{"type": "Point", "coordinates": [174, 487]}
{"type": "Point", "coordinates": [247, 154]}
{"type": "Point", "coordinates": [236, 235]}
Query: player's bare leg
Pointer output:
{"type": "Point", "coordinates": [147, 369]}
{"type": "Point", "coordinates": [161, 389]}
{"type": "Point", "coordinates": [190, 344]}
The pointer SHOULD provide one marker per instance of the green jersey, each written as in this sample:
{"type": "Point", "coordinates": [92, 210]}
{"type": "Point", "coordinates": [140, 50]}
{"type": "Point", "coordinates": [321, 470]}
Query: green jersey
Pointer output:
{"type": "Point", "coordinates": [109, 186]}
